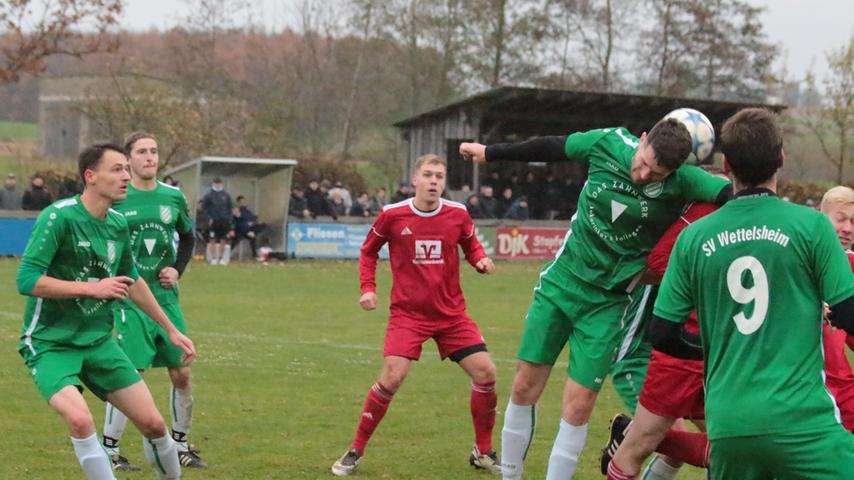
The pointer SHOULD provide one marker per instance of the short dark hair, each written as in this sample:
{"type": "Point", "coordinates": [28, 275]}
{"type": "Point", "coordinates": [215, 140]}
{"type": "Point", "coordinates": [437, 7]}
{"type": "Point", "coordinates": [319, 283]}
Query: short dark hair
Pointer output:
{"type": "Point", "coordinates": [671, 142]}
{"type": "Point", "coordinates": [752, 144]}
{"type": "Point", "coordinates": [135, 137]}
{"type": "Point", "coordinates": [239, 198]}
{"type": "Point", "coordinates": [91, 156]}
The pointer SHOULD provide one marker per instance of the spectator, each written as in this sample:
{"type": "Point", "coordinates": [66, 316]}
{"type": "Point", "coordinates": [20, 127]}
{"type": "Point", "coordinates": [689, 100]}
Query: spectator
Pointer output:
{"type": "Point", "coordinates": [403, 192]}
{"type": "Point", "coordinates": [362, 206]}
{"type": "Point", "coordinates": [488, 202]}
{"type": "Point", "coordinates": [571, 192]}
{"type": "Point", "coordinates": [345, 194]}
{"type": "Point", "coordinates": [378, 202]}
{"type": "Point", "coordinates": [168, 180]}
{"type": "Point", "coordinates": [202, 223]}
{"type": "Point", "coordinates": [519, 209]}
{"type": "Point", "coordinates": [37, 196]}
{"type": "Point", "coordinates": [298, 206]}
{"type": "Point", "coordinates": [504, 202]}
{"type": "Point", "coordinates": [495, 181]}
{"type": "Point", "coordinates": [533, 189]}
{"type": "Point", "coordinates": [460, 195]}
{"type": "Point", "coordinates": [318, 204]}
{"type": "Point", "coordinates": [10, 199]}
{"type": "Point", "coordinates": [69, 187]}
{"type": "Point", "coordinates": [217, 206]}
{"type": "Point", "coordinates": [474, 208]}
{"type": "Point", "coordinates": [336, 203]}
{"type": "Point", "coordinates": [246, 226]}
{"type": "Point", "coordinates": [552, 197]}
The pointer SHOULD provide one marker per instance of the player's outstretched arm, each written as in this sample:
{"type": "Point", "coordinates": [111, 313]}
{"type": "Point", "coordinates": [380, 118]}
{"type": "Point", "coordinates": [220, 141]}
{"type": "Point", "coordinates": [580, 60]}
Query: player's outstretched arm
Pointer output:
{"type": "Point", "coordinates": [141, 295]}
{"type": "Point", "coordinates": [541, 149]}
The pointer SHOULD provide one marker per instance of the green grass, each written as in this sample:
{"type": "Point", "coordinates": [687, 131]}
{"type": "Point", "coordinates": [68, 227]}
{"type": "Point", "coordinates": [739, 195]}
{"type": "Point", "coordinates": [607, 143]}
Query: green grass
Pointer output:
{"type": "Point", "coordinates": [285, 359]}
{"type": "Point", "coordinates": [19, 131]}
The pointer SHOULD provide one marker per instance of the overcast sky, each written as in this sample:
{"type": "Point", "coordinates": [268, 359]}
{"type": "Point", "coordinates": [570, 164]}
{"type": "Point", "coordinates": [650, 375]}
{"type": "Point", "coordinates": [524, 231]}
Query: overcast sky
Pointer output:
{"type": "Point", "coordinates": [804, 28]}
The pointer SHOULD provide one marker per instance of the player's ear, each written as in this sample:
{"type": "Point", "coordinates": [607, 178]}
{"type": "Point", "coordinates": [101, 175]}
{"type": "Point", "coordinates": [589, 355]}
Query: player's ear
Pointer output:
{"type": "Point", "coordinates": [782, 158]}
{"type": "Point", "coordinates": [727, 168]}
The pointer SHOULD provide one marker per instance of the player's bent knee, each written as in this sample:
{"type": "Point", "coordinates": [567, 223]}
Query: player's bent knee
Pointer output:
{"type": "Point", "coordinates": [152, 425]}
{"type": "Point", "coordinates": [180, 377]}
{"type": "Point", "coordinates": [80, 422]}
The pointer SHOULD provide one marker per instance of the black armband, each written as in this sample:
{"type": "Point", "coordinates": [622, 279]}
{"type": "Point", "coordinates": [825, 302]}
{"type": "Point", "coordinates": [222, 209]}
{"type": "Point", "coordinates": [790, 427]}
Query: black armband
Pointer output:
{"type": "Point", "coordinates": [725, 195]}
{"type": "Point", "coordinates": [842, 315]}
{"type": "Point", "coordinates": [671, 338]}
{"type": "Point", "coordinates": [540, 149]}
{"type": "Point", "coordinates": [186, 242]}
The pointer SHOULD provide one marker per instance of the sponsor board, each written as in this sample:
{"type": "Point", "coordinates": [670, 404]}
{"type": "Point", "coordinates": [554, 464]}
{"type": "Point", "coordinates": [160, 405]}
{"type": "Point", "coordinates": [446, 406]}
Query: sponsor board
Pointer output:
{"type": "Point", "coordinates": [328, 240]}
{"type": "Point", "coordinates": [528, 243]}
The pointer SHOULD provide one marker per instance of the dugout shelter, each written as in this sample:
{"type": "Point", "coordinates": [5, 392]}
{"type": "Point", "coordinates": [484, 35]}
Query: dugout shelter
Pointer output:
{"type": "Point", "coordinates": [511, 114]}
{"type": "Point", "coordinates": [265, 182]}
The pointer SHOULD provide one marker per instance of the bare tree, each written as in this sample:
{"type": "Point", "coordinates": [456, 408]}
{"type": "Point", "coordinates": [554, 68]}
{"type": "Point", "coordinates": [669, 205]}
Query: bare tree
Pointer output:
{"type": "Point", "coordinates": [35, 30]}
{"type": "Point", "coordinates": [833, 121]}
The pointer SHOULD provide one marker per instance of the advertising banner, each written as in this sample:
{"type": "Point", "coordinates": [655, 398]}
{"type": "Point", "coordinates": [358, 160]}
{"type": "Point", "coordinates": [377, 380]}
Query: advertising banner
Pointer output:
{"type": "Point", "coordinates": [528, 243]}
{"type": "Point", "coordinates": [328, 240]}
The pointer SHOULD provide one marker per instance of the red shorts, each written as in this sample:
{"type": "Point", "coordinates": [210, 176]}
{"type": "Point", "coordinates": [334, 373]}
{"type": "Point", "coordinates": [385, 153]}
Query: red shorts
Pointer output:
{"type": "Point", "coordinates": [673, 387]}
{"type": "Point", "coordinates": [404, 336]}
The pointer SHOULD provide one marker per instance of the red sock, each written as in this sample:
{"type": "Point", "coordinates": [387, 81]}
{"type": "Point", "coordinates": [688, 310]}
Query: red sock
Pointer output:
{"type": "Point", "coordinates": [376, 404]}
{"type": "Point", "coordinates": [614, 473]}
{"type": "Point", "coordinates": [689, 447]}
{"type": "Point", "coordinates": [483, 401]}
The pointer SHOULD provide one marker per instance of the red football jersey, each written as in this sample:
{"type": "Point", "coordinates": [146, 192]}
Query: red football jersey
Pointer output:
{"type": "Point", "coordinates": [840, 378]}
{"type": "Point", "coordinates": [424, 253]}
{"type": "Point", "coordinates": [659, 256]}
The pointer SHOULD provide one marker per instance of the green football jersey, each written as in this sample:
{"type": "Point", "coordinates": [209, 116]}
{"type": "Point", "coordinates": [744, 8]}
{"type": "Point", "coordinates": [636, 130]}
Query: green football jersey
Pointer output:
{"type": "Point", "coordinates": [153, 217]}
{"type": "Point", "coordinates": [757, 271]}
{"type": "Point", "coordinates": [70, 244]}
{"type": "Point", "coordinates": [618, 221]}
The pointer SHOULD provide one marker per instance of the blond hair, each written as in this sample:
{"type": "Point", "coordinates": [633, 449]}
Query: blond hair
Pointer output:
{"type": "Point", "coordinates": [429, 159]}
{"type": "Point", "coordinates": [840, 195]}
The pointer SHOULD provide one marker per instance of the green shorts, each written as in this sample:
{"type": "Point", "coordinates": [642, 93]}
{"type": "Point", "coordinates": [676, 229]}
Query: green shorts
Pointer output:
{"type": "Point", "coordinates": [144, 342]}
{"type": "Point", "coordinates": [629, 370]}
{"type": "Point", "coordinates": [102, 368]}
{"type": "Point", "coordinates": [566, 309]}
{"type": "Point", "coordinates": [824, 455]}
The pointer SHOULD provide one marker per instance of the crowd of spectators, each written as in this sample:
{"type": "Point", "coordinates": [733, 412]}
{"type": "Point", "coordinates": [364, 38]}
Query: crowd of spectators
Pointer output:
{"type": "Point", "coordinates": [498, 197]}
{"type": "Point", "coordinates": [324, 198]}
{"type": "Point", "coordinates": [36, 196]}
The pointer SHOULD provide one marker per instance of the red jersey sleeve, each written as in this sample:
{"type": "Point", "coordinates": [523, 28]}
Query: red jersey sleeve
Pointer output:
{"type": "Point", "coordinates": [469, 242]}
{"type": "Point", "coordinates": [660, 254]}
{"type": "Point", "coordinates": [370, 253]}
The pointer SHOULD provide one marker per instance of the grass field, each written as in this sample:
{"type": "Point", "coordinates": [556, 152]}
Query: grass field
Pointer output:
{"type": "Point", "coordinates": [285, 359]}
{"type": "Point", "coordinates": [10, 131]}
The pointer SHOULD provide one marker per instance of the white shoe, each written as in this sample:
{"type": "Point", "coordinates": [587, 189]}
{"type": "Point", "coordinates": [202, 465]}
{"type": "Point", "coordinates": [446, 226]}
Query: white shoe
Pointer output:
{"type": "Point", "coordinates": [347, 463]}
{"type": "Point", "coordinates": [486, 461]}
{"type": "Point", "coordinates": [223, 262]}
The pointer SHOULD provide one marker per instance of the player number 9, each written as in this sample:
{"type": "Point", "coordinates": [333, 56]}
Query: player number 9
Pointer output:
{"type": "Point", "coordinates": [758, 293]}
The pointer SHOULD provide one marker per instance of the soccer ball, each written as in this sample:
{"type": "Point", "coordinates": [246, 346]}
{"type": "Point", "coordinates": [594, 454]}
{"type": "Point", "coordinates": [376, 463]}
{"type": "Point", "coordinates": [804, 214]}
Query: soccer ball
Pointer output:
{"type": "Point", "coordinates": [701, 130]}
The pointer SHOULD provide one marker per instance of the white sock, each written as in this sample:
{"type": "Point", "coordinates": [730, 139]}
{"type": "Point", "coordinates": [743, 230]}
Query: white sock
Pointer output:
{"type": "Point", "coordinates": [162, 454]}
{"type": "Point", "coordinates": [226, 254]}
{"type": "Point", "coordinates": [93, 459]}
{"type": "Point", "coordinates": [519, 423]}
{"type": "Point", "coordinates": [658, 469]}
{"type": "Point", "coordinates": [567, 448]}
{"type": "Point", "coordinates": [114, 427]}
{"type": "Point", "coordinates": [181, 401]}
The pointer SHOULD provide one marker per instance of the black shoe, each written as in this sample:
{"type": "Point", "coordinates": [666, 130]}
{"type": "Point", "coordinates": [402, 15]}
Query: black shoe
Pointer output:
{"type": "Point", "coordinates": [122, 464]}
{"type": "Point", "coordinates": [347, 463]}
{"type": "Point", "coordinates": [619, 425]}
{"type": "Point", "coordinates": [485, 461]}
{"type": "Point", "coordinates": [190, 459]}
